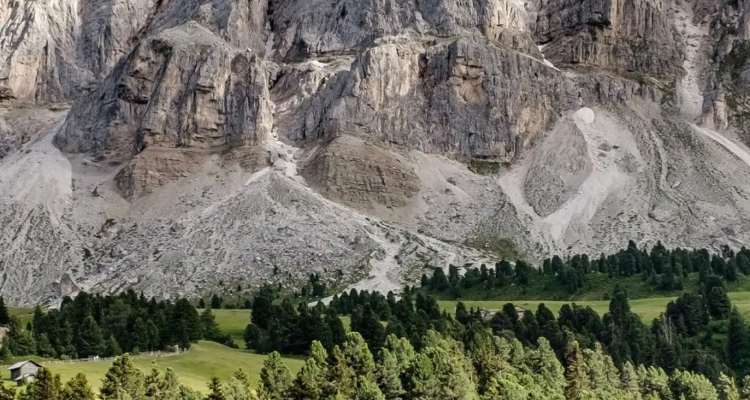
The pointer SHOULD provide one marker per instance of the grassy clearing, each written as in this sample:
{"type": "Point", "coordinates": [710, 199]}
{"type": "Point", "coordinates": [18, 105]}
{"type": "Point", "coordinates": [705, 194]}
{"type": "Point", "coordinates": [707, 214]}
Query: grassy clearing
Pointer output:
{"type": "Point", "coordinates": [647, 309]}
{"type": "Point", "coordinates": [195, 369]}
{"type": "Point", "coordinates": [233, 322]}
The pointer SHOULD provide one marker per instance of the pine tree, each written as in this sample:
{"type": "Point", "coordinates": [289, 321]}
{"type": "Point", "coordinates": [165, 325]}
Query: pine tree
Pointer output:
{"type": "Point", "coordinates": [4, 315]}
{"type": "Point", "coordinates": [745, 388]}
{"type": "Point", "coordinates": [737, 344]}
{"type": "Point", "coordinates": [389, 376]}
{"type": "Point", "coordinates": [576, 373]}
{"type": "Point", "coordinates": [275, 378]}
{"type": "Point", "coordinates": [358, 356]}
{"type": "Point", "coordinates": [718, 303]}
{"type": "Point", "coordinates": [44, 347]}
{"type": "Point", "coordinates": [547, 368]}
{"type": "Point", "coordinates": [6, 355]}
{"type": "Point", "coordinates": [186, 324]}
{"type": "Point", "coordinates": [45, 386]}
{"type": "Point", "coordinates": [122, 378]}
{"type": "Point", "coordinates": [242, 378]}
{"type": "Point", "coordinates": [201, 303]}
{"type": "Point", "coordinates": [368, 390]}
{"type": "Point", "coordinates": [214, 388]}
{"type": "Point", "coordinates": [308, 385]}
{"type": "Point", "coordinates": [727, 388]}
{"type": "Point", "coordinates": [216, 302]}
{"type": "Point", "coordinates": [372, 330]}
{"type": "Point", "coordinates": [111, 347]}
{"type": "Point", "coordinates": [89, 341]}
{"type": "Point", "coordinates": [210, 329]}
{"type": "Point", "coordinates": [64, 339]}
{"type": "Point", "coordinates": [340, 379]}
{"type": "Point", "coordinates": [78, 388]}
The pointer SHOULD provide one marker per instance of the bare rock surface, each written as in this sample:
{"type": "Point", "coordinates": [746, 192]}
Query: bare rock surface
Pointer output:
{"type": "Point", "coordinates": [178, 146]}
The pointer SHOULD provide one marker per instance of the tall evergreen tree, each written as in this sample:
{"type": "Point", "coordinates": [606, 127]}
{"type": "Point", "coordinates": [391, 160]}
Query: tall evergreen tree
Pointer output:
{"type": "Point", "coordinates": [275, 378]}
{"type": "Point", "coordinates": [4, 315]}
{"type": "Point", "coordinates": [89, 341]}
{"type": "Point", "coordinates": [389, 376]}
{"type": "Point", "coordinates": [111, 347]}
{"type": "Point", "coordinates": [78, 388]}
{"type": "Point", "coordinates": [215, 391]}
{"type": "Point", "coordinates": [122, 379]}
{"type": "Point", "coordinates": [576, 373]}
{"type": "Point", "coordinates": [45, 386]}
{"type": "Point", "coordinates": [738, 343]}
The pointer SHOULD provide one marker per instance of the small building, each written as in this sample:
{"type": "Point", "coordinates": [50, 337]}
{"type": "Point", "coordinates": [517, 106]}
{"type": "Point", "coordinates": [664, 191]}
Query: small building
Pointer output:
{"type": "Point", "coordinates": [24, 371]}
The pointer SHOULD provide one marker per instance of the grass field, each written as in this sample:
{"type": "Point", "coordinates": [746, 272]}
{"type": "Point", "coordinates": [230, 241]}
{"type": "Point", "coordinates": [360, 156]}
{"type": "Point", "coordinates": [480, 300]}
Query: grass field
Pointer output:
{"type": "Point", "coordinates": [233, 322]}
{"type": "Point", "coordinates": [647, 309]}
{"type": "Point", "coordinates": [194, 369]}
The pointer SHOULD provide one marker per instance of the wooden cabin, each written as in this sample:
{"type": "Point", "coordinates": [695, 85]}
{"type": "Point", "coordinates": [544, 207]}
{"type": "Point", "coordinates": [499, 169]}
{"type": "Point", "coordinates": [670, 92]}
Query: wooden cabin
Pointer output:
{"type": "Point", "coordinates": [24, 371]}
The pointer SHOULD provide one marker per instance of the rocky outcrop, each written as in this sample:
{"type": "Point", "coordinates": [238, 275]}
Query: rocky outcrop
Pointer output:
{"type": "Point", "coordinates": [353, 172]}
{"type": "Point", "coordinates": [182, 88]}
{"type": "Point", "coordinates": [629, 36]}
{"type": "Point", "coordinates": [466, 97]}
{"type": "Point", "coordinates": [304, 29]}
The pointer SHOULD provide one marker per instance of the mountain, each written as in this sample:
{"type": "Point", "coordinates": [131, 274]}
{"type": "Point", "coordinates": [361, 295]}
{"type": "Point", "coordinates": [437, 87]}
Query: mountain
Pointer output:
{"type": "Point", "coordinates": [181, 146]}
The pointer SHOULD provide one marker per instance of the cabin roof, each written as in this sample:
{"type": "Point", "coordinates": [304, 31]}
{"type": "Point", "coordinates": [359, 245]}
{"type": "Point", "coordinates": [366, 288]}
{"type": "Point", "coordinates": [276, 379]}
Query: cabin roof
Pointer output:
{"type": "Point", "coordinates": [21, 364]}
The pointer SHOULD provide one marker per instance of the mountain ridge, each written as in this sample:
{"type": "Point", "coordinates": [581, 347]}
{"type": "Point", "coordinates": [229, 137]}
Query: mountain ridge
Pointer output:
{"type": "Point", "coordinates": [199, 142]}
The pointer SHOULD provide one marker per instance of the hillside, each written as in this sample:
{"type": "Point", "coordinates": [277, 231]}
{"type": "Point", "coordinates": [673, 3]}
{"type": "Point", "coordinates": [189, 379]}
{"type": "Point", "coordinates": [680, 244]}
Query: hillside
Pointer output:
{"type": "Point", "coordinates": [178, 147]}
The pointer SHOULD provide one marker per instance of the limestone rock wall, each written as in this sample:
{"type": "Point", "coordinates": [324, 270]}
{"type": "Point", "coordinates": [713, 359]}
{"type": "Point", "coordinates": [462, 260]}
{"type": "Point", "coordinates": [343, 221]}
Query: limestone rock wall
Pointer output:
{"type": "Point", "coordinates": [634, 36]}
{"type": "Point", "coordinates": [182, 88]}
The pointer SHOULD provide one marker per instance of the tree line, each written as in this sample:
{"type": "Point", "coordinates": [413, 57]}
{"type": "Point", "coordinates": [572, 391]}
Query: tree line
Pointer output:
{"type": "Point", "coordinates": [95, 325]}
{"type": "Point", "coordinates": [484, 366]}
{"type": "Point", "coordinates": [698, 331]}
{"type": "Point", "coordinates": [662, 269]}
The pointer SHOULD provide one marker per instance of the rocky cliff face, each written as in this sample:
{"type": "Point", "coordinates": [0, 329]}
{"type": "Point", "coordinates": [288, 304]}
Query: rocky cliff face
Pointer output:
{"type": "Point", "coordinates": [175, 146]}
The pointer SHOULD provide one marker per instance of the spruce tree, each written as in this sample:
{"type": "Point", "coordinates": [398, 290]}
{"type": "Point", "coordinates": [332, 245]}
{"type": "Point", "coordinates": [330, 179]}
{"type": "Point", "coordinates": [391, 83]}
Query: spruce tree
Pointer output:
{"type": "Point", "coordinates": [89, 341]}
{"type": "Point", "coordinates": [275, 378]}
{"type": "Point", "coordinates": [214, 390]}
{"type": "Point", "coordinates": [6, 355]}
{"type": "Point", "coordinates": [389, 376]}
{"type": "Point", "coordinates": [4, 315]}
{"type": "Point", "coordinates": [372, 330]}
{"type": "Point", "coordinates": [209, 325]}
{"type": "Point", "coordinates": [727, 388]}
{"type": "Point", "coordinates": [547, 368]}
{"type": "Point", "coordinates": [340, 379]}
{"type": "Point", "coordinates": [718, 303]}
{"type": "Point", "coordinates": [576, 373]}
{"type": "Point", "coordinates": [309, 382]}
{"type": "Point", "coordinates": [111, 347]}
{"type": "Point", "coordinates": [122, 378]}
{"type": "Point", "coordinates": [367, 389]}
{"type": "Point", "coordinates": [216, 302]}
{"type": "Point", "coordinates": [241, 377]}
{"type": "Point", "coordinates": [358, 356]}
{"type": "Point", "coordinates": [45, 386]}
{"type": "Point", "coordinates": [44, 347]}
{"type": "Point", "coordinates": [78, 388]}
{"type": "Point", "coordinates": [738, 344]}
